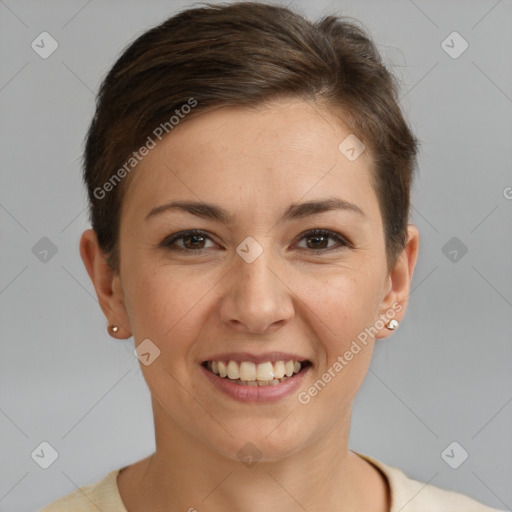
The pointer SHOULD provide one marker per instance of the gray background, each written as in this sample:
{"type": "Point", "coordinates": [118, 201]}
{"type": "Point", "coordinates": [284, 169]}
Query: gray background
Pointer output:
{"type": "Point", "coordinates": [443, 376]}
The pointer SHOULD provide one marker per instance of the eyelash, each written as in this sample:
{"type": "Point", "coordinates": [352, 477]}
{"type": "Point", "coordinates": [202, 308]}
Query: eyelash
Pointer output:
{"type": "Point", "coordinates": [170, 240]}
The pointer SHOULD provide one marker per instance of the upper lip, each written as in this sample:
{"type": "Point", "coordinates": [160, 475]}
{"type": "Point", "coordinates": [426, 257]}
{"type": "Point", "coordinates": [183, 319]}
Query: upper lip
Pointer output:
{"type": "Point", "coordinates": [256, 358]}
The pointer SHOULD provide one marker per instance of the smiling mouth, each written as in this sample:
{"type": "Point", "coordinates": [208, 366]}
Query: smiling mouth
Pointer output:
{"type": "Point", "coordinates": [247, 373]}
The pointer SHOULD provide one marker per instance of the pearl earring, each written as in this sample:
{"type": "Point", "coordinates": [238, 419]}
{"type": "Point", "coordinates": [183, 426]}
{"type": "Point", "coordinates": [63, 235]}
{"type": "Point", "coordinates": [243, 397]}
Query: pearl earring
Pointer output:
{"type": "Point", "coordinates": [392, 324]}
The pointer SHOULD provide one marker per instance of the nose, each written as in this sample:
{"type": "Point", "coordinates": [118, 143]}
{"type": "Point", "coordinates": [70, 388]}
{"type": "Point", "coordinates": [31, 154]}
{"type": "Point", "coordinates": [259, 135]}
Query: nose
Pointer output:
{"type": "Point", "coordinates": [257, 299]}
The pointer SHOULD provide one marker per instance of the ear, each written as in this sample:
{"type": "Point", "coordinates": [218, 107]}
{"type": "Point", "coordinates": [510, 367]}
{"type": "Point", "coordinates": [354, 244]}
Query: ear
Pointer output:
{"type": "Point", "coordinates": [106, 282]}
{"type": "Point", "coordinates": [399, 281]}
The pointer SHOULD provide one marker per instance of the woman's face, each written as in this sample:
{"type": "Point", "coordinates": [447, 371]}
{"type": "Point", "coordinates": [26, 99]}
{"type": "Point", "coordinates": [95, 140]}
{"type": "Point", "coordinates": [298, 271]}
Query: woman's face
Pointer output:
{"type": "Point", "coordinates": [257, 287]}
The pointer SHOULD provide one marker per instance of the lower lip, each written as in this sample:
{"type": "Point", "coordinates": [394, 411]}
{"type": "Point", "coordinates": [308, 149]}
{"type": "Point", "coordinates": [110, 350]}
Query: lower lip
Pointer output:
{"type": "Point", "coordinates": [244, 393]}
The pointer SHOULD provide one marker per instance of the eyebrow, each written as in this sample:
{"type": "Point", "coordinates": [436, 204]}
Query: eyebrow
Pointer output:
{"type": "Point", "coordinates": [295, 211]}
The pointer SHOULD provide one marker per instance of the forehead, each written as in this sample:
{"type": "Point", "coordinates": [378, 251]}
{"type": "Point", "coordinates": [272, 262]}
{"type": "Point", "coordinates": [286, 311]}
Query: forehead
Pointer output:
{"type": "Point", "coordinates": [278, 152]}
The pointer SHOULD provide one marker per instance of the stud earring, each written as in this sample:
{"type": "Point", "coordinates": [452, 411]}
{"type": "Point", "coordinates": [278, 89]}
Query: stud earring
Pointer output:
{"type": "Point", "coordinates": [114, 328]}
{"type": "Point", "coordinates": [392, 324]}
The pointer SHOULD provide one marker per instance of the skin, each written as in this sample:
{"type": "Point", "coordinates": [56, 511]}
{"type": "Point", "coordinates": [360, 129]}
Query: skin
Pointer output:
{"type": "Point", "coordinates": [314, 303]}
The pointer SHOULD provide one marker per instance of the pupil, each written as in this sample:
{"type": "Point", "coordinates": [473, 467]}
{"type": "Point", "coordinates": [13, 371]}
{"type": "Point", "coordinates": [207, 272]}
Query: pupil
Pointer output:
{"type": "Point", "coordinates": [194, 239]}
{"type": "Point", "coordinates": [318, 238]}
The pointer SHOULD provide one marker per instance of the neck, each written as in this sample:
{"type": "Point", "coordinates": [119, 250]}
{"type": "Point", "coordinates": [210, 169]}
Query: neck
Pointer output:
{"type": "Point", "coordinates": [185, 474]}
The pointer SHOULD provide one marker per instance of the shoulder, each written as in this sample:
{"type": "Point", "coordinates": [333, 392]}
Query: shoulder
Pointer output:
{"type": "Point", "coordinates": [408, 495]}
{"type": "Point", "coordinates": [103, 495]}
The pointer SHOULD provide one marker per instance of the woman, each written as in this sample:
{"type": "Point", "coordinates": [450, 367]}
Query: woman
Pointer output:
{"type": "Point", "coordinates": [249, 176]}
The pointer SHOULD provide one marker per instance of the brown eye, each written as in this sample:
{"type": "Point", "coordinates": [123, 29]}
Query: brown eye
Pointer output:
{"type": "Point", "coordinates": [318, 240]}
{"type": "Point", "coordinates": [191, 241]}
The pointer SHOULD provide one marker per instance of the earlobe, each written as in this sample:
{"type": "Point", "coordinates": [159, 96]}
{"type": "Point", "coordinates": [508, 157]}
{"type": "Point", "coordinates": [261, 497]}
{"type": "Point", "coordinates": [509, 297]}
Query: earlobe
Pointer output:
{"type": "Point", "coordinates": [103, 278]}
{"type": "Point", "coordinates": [396, 299]}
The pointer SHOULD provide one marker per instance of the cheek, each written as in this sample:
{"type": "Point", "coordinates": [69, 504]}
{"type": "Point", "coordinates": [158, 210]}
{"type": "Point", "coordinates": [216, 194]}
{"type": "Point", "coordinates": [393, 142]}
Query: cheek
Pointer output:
{"type": "Point", "coordinates": [343, 309]}
{"type": "Point", "coordinates": [165, 302]}
{"type": "Point", "coordinates": [345, 302]}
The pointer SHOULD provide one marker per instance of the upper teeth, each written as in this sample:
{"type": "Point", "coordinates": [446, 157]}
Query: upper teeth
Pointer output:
{"type": "Point", "coordinates": [248, 371]}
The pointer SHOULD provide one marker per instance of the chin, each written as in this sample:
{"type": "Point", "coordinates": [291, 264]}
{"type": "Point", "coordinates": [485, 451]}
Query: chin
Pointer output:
{"type": "Point", "coordinates": [258, 442]}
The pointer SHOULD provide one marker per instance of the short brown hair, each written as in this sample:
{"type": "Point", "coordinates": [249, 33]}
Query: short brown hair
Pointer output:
{"type": "Point", "coordinates": [242, 55]}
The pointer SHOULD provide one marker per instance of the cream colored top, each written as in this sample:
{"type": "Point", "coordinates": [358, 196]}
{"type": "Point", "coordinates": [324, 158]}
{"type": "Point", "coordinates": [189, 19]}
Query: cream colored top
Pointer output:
{"type": "Point", "coordinates": [406, 495]}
